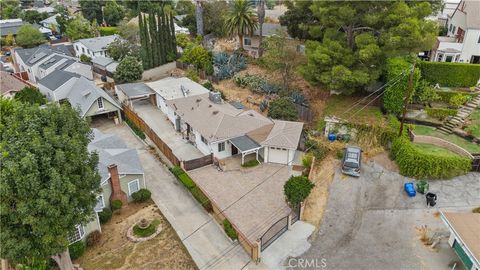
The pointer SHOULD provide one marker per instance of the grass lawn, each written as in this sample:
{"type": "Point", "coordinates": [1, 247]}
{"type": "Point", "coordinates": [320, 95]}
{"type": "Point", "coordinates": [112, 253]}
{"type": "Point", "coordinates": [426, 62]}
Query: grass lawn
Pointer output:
{"type": "Point", "coordinates": [430, 131]}
{"type": "Point", "coordinates": [432, 149]}
{"type": "Point", "coordinates": [337, 105]}
{"type": "Point", "coordinates": [474, 127]}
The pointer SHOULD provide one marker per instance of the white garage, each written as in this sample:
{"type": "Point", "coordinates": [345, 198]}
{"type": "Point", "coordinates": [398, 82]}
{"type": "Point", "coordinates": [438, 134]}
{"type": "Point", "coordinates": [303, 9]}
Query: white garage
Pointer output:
{"type": "Point", "coordinates": [277, 155]}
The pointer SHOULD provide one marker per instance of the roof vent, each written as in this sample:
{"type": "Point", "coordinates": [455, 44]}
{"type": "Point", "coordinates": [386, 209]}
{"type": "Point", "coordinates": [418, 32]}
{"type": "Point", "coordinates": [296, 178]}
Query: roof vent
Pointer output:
{"type": "Point", "coordinates": [209, 106]}
{"type": "Point", "coordinates": [198, 100]}
{"type": "Point", "coordinates": [215, 112]}
{"type": "Point", "coordinates": [215, 97]}
{"type": "Point", "coordinates": [185, 91]}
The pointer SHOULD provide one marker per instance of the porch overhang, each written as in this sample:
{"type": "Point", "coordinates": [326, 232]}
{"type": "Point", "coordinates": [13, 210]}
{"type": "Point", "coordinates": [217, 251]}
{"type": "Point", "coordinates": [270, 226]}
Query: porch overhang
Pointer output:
{"type": "Point", "coordinates": [246, 146]}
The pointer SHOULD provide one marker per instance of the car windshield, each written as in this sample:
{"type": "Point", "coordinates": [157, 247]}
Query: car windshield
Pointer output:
{"type": "Point", "coordinates": [350, 164]}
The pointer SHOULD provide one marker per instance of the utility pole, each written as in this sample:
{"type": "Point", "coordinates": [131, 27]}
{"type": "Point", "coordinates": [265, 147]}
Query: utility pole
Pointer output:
{"type": "Point", "coordinates": [408, 93]}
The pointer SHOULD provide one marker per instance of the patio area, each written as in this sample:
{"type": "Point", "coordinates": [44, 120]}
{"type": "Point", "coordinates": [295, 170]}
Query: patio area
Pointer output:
{"type": "Point", "coordinates": [253, 197]}
{"type": "Point", "coordinates": [158, 121]}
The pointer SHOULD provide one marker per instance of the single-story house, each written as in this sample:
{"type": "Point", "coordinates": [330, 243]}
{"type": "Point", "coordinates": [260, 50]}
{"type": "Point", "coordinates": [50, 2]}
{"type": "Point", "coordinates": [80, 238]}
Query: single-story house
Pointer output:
{"type": "Point", "coordinates": [10, 84]}
{"type": "Point", "coordinates": [93, 47]}
{"type": "Point", "coordinates": [104, 66]}
{"type": "Point", "coordinates": [216, 127]}
{"type": "Point", "coordinates": [464, 237]}
{"type": "Point", "coordinates": [51, 22]}
{"type": "Point", "coordinates": [121, 175]}
{"type": "Point", "coordinates": [11, 26]}
{"type": "Point", "coordinates": [81, 93]}
{"type": "Point", "coordinates": [129, 92]}
{"type": "Point", "coordinates": [252, 43]}
{"type": "Point", "coordinates": [171, 88]}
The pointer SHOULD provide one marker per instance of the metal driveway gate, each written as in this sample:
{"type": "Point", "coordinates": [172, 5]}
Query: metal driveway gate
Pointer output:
{"type": "Point", "coordinates": [274, 232]}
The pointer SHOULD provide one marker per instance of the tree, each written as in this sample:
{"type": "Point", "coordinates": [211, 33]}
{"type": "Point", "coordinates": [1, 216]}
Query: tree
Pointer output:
{"type": "Point", "coordinates": [29, 36]}
{"type": "Point", "coordinates": [185, 7]}
{"type": "Point", "coordinates": [120, 48]}
{"type": "Point", "coordinates": [78, 28]}
{"type": "Point", "coordinates": [85, 59]}
{"type": "Point", "coordinates": [214, 17]}
{"type": "Point", "coordinates": [197, 56]}
{"type": "Point", "coordinates": [30, 95]}
{"type": "Point", "coordinates": [129, 31]}
{"type": "Point", "coordinates": [94, 28]}
{"type": "Point", "coordinates": [398, 74]}
{"type": "Point", "coordinates": [62, 22]}
{"type": "Point", "coordinates": [281, 54]}
{"type": "Point", "coordinates": [199, 16]}
{"type": "Point", "coordinates": [298, 19]}
{"type": "Point", "coordinates": [33, 16]}
{"type": "Point", "coordinates": [282, 108]}
{"type": "Point", "coordinates": [91, 10]}
{"type": "Point", "coordinates": [10, 9]}
{"type": "Point", "coordinates": [49, 180]}
{"type": "Point", "coordinates": [356, 37]}
{"type": "Point", "coordinates": [297, 189]}
{"type": "Point", "coordinates": [113, 12]}
{"type": "Point", "coordinates": [261, 20]}
{"type": "Point", "coordinates": [241, 20]}
{"type": "Point", "coordinates": [129, 70]}
{"type": "Point", "coordinates": [9, 40]}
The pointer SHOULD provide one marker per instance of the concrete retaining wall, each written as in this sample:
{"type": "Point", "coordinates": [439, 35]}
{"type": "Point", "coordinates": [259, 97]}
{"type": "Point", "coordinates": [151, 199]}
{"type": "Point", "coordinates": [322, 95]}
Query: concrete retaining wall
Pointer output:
{"type": "Point", "coordinates": [441, 143]}
{"type": "Point", "coordinates": [159, 72]}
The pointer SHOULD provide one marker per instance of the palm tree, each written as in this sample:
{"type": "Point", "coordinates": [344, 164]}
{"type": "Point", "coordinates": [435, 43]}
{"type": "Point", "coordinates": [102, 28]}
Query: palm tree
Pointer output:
{"type": "Point", "coordinates": [241, 19]}
{"type": "Point", "coordinates": [261, 20]}
{"type": "Point", "coordinates": [199, 16]}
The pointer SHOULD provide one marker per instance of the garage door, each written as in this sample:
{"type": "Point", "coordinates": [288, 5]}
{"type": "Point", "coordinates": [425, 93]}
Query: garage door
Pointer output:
{"type": "Point", "coordinates": [278, 155]}
{"type": "Point", "coordinates": [462, 255]}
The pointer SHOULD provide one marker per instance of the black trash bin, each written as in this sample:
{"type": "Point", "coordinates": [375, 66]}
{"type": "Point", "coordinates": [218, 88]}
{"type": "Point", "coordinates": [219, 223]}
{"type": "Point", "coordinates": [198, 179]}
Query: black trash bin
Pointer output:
{"type": "Point", "coordinates": [431, 199]}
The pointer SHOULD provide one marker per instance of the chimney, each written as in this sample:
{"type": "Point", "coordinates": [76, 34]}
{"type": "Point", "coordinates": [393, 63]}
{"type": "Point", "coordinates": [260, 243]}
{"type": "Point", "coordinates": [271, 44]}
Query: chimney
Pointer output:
{"type": "Point", "coordinates": [117, 192]}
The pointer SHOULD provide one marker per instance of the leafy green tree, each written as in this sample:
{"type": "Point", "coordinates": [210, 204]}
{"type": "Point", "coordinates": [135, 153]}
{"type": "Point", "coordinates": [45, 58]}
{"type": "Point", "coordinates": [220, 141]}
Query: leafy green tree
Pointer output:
{"type": "Point", "coordinates": [9, 40]}
{"type": "Point", "coordinates": [357, 36]}
{"type": "Point", "coordinates": [197, 56]}
{"type": "Point", "coordinates": [10, 9]}
{"type": "Point", "coordinates": [29, 36]}
{"type": "Point", "coordinates": [33, 16]}
{"type": "Point", "coordinates": [85, 58]}
{"type": "Point", "coordinates": [214, 17]}
{"type": "Point", "coordinates": [282, 108]}
{"type": "Point", "coordinates": [120, 48]}
{"type": "Point", "coordinates": [49, 180]}
{"type": "Point", "coordinates": [78, 28]}
{"type": "Point", "coordinates": [297, 189]}
{"type": "Point", "coordinates": [62, 22]}
{"type": "Point", "coordinates": [190, 23]}
{"type": "Point", "coordinates": [398, 73]}
{"type": "Point", "coordinates": [183, 40]}
{"type": "Point", "coordinates": [185, 7]}
{"type": "Point", "coordinates": [113, 12]}
{"type": "Point", "coordinates": [129, 31]}
{"type": "Point", "coordinates": [91, 10]}
{"type": "Point", "coordinates": [129, 70]}
{"type": "Point", "coordinates": [30, 95]}
{"type": "Point", "coordinates": [298, 19]}
{"type": "Point", "coordinates": [241, 19]}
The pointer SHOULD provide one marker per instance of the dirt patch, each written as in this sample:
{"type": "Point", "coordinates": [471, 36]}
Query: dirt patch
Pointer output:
{"type": "Point", "coordinates": [115, 251]}
{"type": "Point", "coordinates": [322, 176]}
{"type": "Point", "coordinates": [383, 160]}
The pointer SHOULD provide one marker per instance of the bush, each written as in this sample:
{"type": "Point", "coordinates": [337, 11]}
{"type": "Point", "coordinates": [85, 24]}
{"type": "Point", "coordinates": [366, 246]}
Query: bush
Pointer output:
{"type": "Point", "coordinates": [440, 113]}
{"type": "Point", "coordinates": [208, 85]}
{"type": "Point", "coordinates": [450, 74]}
{"type": "Point", "coordinates": [225, 66]}
{"type": "Point", "coordinates": [250, 163]}
{"type": "Point", "coordinates": [397, 77]}
{"type": "Point", "coordinates": [105, 215]}
{"type": "Point", "coordinates": [283, 108]}
{"type": "Point", "coordinates": [85, 58]}
{"type": "Point", "coordinates": [108, 30]}
{"type": "Point", "coordinates": [297, 189]}
{"type": "Point", "coordinates": [135, 129]}
{"type": "Point", "coordinates": [458, 100]}
{"type": "Point", "coordinates": [31, 95]}
{"type": "Point", "coordinates": [151, 229]}
{"type": "Point", "coordinates": [307, 161]}
{"type": "Point", "coordinates": [186, 180]}
{"type": "Point", "coordinates": [116, 204]}
{"type": "Point", "coordinates": [128, 70]}
{"type": "Point", "coordinates": [201, 198]}
{"type": "Point", "coordinates": [318, 150]}
{"type": "Point", "coordinates": [414, 162]}
{"type": "Point", "coordinates": [176, 170]}
{"type": "Point", "coordinates": [229, 230]}
{"type": "Point", "coordinates": [183, 40]}
{"type": "Point", "coordinates": [94, 238]}
{"type": "Point", "coordinates": [76, 249]}
{"type": "Point", "coordinates": [142, 195]}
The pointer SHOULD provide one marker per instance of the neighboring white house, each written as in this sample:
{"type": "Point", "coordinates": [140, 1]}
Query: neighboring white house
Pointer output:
{"type": "Point", "coordinates": [93, 47]}
{"type": "Point", "coordinates": [462, 43]}
{"type": "Point", "coordinates": [50, 22]}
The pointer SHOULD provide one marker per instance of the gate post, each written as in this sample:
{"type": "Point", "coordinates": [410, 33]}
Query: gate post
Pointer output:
{"type": "Point", "coordinates": [289, 223]}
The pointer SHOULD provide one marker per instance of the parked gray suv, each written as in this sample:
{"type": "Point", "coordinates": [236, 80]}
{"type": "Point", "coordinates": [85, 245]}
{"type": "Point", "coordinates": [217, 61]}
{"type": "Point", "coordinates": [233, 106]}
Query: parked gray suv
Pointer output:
{"type": "Point", "coordinates": [352, 161]}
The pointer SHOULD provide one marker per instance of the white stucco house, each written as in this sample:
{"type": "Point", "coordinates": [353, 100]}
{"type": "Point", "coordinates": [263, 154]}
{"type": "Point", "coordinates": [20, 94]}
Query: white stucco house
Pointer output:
{"type": "Point", "coordinates": [93, 47]}
{"type": "Point", "coordinates": [462, 43]}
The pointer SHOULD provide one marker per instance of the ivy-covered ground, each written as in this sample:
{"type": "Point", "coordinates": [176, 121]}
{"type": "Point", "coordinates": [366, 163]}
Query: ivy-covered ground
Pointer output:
{"type": "Point", "coordinates": [430, 131]}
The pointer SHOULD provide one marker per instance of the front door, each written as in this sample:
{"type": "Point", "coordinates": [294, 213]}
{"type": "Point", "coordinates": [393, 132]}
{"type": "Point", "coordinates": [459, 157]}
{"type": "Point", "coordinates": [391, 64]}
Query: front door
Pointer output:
{"type": "Point", "coordinates": [234, 150]}
{"type": "Point", "coordinates": [475, 59]}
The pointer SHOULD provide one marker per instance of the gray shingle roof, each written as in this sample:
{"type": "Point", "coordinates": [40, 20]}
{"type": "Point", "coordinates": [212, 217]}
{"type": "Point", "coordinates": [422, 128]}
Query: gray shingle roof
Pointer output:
{"type": "Point", "coordinates": [135, 89]}
{"type": "Point", "coordinates": [244, 143]}
{"type": "Point", "coordinates": [56, 79]}
{"type": "Point", "coordinates": [34, 55]}
{"type": "Point", "coordinates": [10, 27]}
{"type": "Point", "coordinates": [102, 61]}
{"type": "Point", "coordinates": [53, 61]}
{"type": "Point", "coordinates": [97, 44]}
{"type": "Point", "coordinates": [113, 150]}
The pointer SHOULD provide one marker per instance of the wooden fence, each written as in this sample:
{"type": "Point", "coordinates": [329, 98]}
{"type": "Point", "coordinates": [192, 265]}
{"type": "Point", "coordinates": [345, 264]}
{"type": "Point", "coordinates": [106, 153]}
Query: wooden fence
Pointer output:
{"type": "Point", "coordinates": [304, 113]}
{"type": "Point", "coordinates": [198, 162]}
{"type": "Point", "coordinates": [132, 116]}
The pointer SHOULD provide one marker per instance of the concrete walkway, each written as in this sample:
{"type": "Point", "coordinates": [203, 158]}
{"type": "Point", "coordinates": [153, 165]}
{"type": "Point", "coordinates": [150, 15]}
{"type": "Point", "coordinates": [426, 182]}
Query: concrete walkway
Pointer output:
{"type": "Point", "coordinates": [208, 245]}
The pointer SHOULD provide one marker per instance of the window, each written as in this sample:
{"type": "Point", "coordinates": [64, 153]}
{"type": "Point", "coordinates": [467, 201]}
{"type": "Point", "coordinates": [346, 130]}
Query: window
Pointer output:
{"type": "Point", "coordinates": [204, 140]}
{"type": "Point", "coordinates": [221, 147]}
{"type": "Point", "coordinates": [88, 51]}
{"type": "Point", "coordinates": [453, 30]}
{"type": "Point", "coordinates": [449, 58]}
{"type": "Point", "coordinates": [440, 57]}
{"type": "Point", "coordinates": [77, 235]}
{"type": "Point", "coordinates": [478, 39]}
{"type": "Point", "coordinates": [76, 46]}
{"type": "Point", "coordinates": [100, 103]}
{"type": "Point", "coordinates": [100, 204]}
{"type": "Point", "coordinates": [247, 41]}
{"type": "Point", "coordinates": [133, 186]}
{"type": "Point", "coordinates": [457, 57]}
{"type": "Point", "coordinates": [450, 28]}
{"type": "Point", "coordinates": [83, 50]}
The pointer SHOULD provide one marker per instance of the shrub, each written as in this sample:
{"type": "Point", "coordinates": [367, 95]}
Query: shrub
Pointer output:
{"type": "Point", "coordinates": [263, 105]}
{"type": "Point", "coordinates": [440, 113]}
{"type": "Point", "coordinates": [476, 210]}
{"type": "Point", "coordinates": [250, 163]}
{"type": "Point", "coordinates": [307, 161]}
{"type": "Point", "coordinates": [76, 249]}
{"type": "Point", "coordinates": [135, 129]}
{"type": "Point", "coordinates": [229, 230]}
{"type": "Point", "coordinates": [225, 66]}
{"type": "Point", "coordinates": [142, 195]}
{"type": "Point", "coordinates": [31, 95]}
{"type": "Point", "coordinates": [186, 180]}
{"type": "Point", "coordinates": [105, 215]}
{"type": "Point", "coordinates": [108, 30]}
{"type": "Point", "coordinates": [458, 100]}
{"type": "Point", "coordinates": [208, 85]}
{"type": "Point", "coordinates": [424, 93]}
{"type": "Point", "coordinates": [446, 96]}
{"type": "Point", "coordinates": [450, 74]}
{"type": "Point", "coordinates": [339, 153]}
{"type": "Point", "coordinates": [94, 238]}
{"type": "Point", "coordinates": [85, 58]}
{"type": "Point", "coordinates": [414, 162]}
{"type": "Point", "coordinates": [176, 170]}
{"type": "Point", "coordinates": [297, 189]}
{"type": "Point", "coordinates": [151, 229]}
{"type": "Point", "coordinates": [318, 150]}
{"type": "Point", "coordinates": [192, 75]}
{"type": "Point", "coordinates": [283, 108]}
{"type": "Point", "coordinates": [397, 77]}
{"type": "Point", "coordinates": [116, 204]}
{"type": "Point", "coordinates": [183, 40]}
{"type": "Point", "coordinates": [201, 198]}
{"type": "Point", "coordinates": [128, 70]}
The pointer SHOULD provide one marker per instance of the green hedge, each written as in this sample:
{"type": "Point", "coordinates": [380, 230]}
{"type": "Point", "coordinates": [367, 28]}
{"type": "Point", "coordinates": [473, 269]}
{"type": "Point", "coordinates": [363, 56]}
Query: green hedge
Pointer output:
{"type": "Point", "coordinates": [183, 177]}
{"type": "Point", "coordinates": [186, 180]}
{"type": "Point", "coordinates": [229, 230]}
{"type": "Point", "coordinates": [397, 77]}
{"type": "Point", "coordinates": [440, 113]}
{"type": "Point", "coordinates": [135, 129]}
{"type": "Point", "coordinates": [76, 249]}
{"type": "Point", "coordinates": [108, 30]}
{"type": "Point", "coordinates": [414, 162]}
{"type": "Point", "coordinates": [446, 96]}
{"type": "Point", "coordinates": [450, 74]}
{"type": "Point", "coordinates": [201, 198]}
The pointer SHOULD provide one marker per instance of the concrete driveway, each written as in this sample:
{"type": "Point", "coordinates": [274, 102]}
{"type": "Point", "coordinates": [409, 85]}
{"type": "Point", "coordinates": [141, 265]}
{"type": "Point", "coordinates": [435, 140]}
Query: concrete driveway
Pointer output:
{"type": "Point", "coordinates": [370, 223]}
{"type": "Point", "coordinates": [207, 244]}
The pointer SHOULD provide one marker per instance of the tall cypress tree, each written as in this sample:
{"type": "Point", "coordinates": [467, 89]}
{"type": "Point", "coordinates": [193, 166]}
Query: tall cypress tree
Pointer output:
{"type": "Point", "coordinates": [148, 44]}
{"type": "Point", "coordinates": [161, 43]}
{"type": "Point", "coordinates": [166, 32]}
{"type": "Point", "coordinates": [174, 38]}
{"type": "Point", "coordinates": [143, 45]}
{"type": "Point", "coordinates": [153, 35]}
